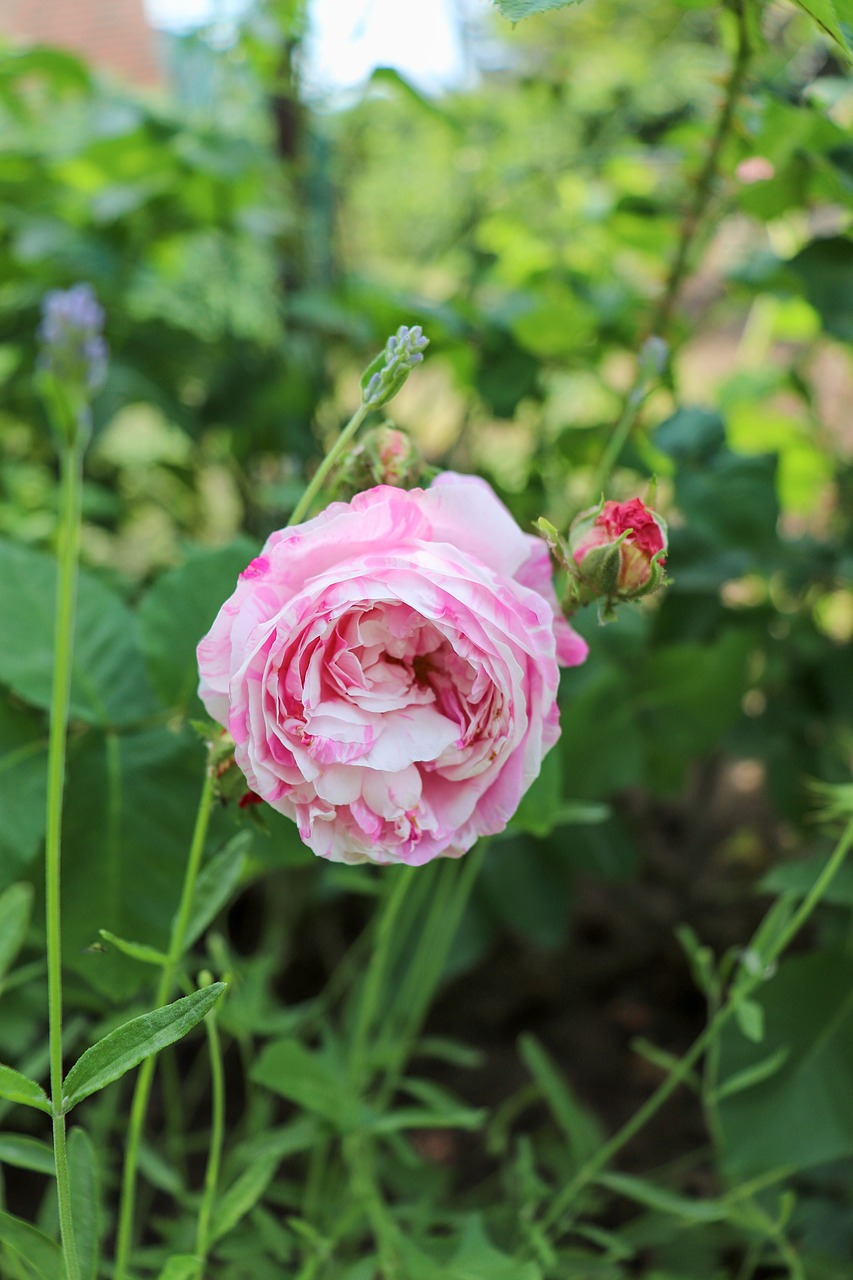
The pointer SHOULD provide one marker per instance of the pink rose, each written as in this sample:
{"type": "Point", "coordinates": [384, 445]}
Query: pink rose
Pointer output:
{"type": "Point", "coordinates": [388, 671]}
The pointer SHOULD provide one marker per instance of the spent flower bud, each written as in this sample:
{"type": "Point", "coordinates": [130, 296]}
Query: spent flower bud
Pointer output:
{"type": "Point", "coordinates": [385, 375]}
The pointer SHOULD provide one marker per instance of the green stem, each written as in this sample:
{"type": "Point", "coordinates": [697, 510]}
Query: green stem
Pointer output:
{"type": "Point", "coordinates": [428, 964]}
{"type": "Point", "coordinates": [71, 456]}
{"type": "Point", "coordinates": [217, 1138]}
{"type": "Point", "coordinates": [618, 440]}
{"type": "Point", "coordinates": [142, 1090]}
{"type": "Point", "coordinates": [383, 1228]}
{"type": "Point", "coordinates": [695, 213]}
{"type": "Point", "coordinates": [556, 1218]}
{"type": "Point", "coordinates": [376, 971]}
{"type": "Point", "coordinates": [303, 506]}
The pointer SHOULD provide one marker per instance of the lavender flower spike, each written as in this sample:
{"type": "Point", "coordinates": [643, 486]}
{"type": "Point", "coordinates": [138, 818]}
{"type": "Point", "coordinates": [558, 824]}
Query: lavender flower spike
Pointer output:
{"type": "Point", "coordinates": [385, 375]}
{"type": "Point", "coordinates": [73, 348]}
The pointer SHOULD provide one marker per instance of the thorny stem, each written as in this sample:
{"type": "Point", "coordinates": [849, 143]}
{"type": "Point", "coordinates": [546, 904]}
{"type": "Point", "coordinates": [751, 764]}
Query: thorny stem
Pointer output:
{"type": "Point", "coordinates": [558, 1217]}
{"type": "Point", "coordinates": [696, 209]}
{"type": "Point", "coordinates": [71, 455]}
{"type": "Point", "coordinates": [141, 1092]}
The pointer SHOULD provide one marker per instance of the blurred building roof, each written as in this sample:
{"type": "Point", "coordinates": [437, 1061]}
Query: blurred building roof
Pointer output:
{"type": "Point", "coordinates": [112, 35]}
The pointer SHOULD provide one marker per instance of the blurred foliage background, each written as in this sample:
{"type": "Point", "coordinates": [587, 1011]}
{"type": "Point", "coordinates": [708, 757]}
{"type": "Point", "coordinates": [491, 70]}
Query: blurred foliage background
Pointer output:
{"type": "Point", "coordinates": [253, 245]}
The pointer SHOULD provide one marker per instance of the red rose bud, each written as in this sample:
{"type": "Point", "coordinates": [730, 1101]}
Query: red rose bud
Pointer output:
{"type": "Point", "coordinates": [618, 550]}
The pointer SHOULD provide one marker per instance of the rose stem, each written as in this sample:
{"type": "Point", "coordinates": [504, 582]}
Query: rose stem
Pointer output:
{"type": "Point", "coordinates": [142, 1090]}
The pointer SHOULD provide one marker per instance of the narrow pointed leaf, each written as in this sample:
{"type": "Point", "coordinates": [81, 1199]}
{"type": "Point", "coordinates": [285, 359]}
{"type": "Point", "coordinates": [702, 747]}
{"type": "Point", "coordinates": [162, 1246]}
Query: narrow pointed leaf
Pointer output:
{"type": "Point", "coordinates": [183, 1266]}
{"type": "Point", "coordinates": [128, 1045]}
{"type": "Point", "coordinates": [24, 1152]}
{"type": "Point", "coordinates": [215, 884]}
{"type": "Point", "coordinates": [661, 1199]}
{"type": "Point", "coordinates": [136, 950]}
{"type": "Point", "coordinates": [579, 1126]}
{"type": "Point", "coordinates": [754, 1074]}
{"type": "Point", "coordinates": [17, 1088]}
{"type": "Point", "coordinates": [15, 906]}
{"type": "Point", "coordinates": [42, 1255]}
{"type": "Point", "coordinates": [85, 1201]}
{"type": "Point", "coordinates": [243, 1195]}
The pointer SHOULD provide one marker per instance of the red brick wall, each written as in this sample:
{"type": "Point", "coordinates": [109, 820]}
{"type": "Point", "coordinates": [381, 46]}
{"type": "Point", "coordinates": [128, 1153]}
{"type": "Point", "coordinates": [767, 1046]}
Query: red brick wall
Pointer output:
{"type": "Point", "coordinates": [113, 35]}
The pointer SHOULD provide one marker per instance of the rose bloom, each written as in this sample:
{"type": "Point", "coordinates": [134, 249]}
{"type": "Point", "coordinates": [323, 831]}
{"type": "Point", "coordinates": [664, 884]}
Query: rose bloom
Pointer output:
{"type": "Point", "coordinates": [602, 528]}
{"type": "Point", "coordinates": [388, 671]}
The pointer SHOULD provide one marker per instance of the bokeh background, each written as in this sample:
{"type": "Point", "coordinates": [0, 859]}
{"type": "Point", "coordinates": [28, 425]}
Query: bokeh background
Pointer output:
{"type": "Point", "coordinates": [259, 195]}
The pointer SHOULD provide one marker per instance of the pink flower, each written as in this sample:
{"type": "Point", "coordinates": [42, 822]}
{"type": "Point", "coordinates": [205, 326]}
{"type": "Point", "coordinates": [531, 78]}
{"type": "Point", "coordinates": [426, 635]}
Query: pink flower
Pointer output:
{"type": "Point", "coordinates": [388, 671]}
{"type": "Point", "coordinates": [618, 548]}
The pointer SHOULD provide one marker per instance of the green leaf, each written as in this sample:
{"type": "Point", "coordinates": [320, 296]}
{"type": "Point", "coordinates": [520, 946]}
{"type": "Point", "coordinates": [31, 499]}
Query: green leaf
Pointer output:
{"type": "Point", "coordinates": [41, 1253]}
{"type": "Point", "coordinates": [129, 1044]}
{"type": "Point", "coordinates": [825, 268]}
{"type": "Point", "coordinates": [16, 904]}
{"type": "Point", "coordinates": [802, 1114]}
{"type": "Point", "coordinates": [307, 1077]}
{"type": "Point", "coordinates": [797, 878]}
{"type": "Point", "coordinates": [478, 1259]}
{"type": "Point", "coordinates": [660, 1198]}
{"type": "Point", "coordinates": [179, 609]}
{"type": "Point", "coordinates": [749, 1016]}
{"type": "Point", "coordinates": [242, 1195]}
{"type": "Point", "coordinates": [183, 1266]}
{"type": "Point", "coordinates": [688, 696]}
{"type": "Point", "coordinates": [402, 1118]}
{"type": "Point", "coordinates": [540, 805]}
{"type": "Point", "coordinates": [24, 1152]}
{"type": "Point", "coordinates": [753, 1075]}
{"type": "Point", "coordinates": [23, 787]}
{"type": "Point", "coordinates": [85, 1201]}
{"type": "Point", "coordinates": [699, 957]}
{"type": "Point", "coordinates": [109, 685]}
{"type": "Point", "coordinates": [216, 882]}
{"type": "Point", "coordinates": [581, 1129]}
{"type": "Point", "coordinates": [826, 14]}
{"type": "Point", "coordinates": [18, 1088]}
{"type": "Point", "coordinates": [136, 950]}
{"type": "Point", "coordinates": [516, 10]}
{"type": "Point", "coordinates": [123, 858]}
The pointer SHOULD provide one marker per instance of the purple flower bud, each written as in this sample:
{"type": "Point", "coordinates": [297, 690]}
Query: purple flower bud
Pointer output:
{"type": "Point", "coordinates": [73, 348]}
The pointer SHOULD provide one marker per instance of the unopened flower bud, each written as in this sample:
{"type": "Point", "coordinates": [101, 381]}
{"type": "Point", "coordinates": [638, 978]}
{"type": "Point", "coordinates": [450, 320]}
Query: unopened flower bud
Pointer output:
{"type": "Point", "coordinates": [385, 375]}
{"type": "Point", "coordinates": [72, 362]}
{"type": "Point", "coordinates": [71, 337]}
{"type": "Point", "coordinates": [617, 552]}
{"type": "Point", "coordinates": [385, 455]}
